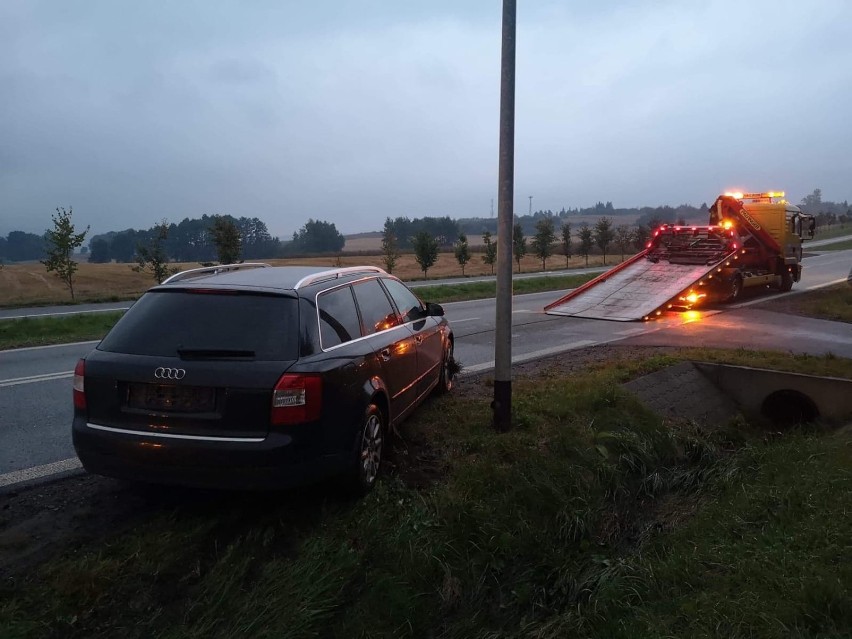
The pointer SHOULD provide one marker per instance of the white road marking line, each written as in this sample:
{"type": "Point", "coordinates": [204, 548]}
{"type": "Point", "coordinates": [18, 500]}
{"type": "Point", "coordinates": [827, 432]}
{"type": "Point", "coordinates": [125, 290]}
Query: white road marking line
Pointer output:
{"type": "Point", "coordinates": [36, 348]}
{"type": "Point", "coordinates": [94, 310]}
{"type": "Point", "coordinates": [469, 319]}
{"type": "Point", "coordinates": [630, 331]}
{"type": "Point", "coordinates": [37, 472]}
{"type": "Point", "coordinates": [47, 377]}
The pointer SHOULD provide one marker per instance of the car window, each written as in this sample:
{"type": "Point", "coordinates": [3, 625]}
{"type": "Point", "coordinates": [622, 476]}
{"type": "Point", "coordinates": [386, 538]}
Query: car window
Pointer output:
{"type": "Point", "coordinates": [406, 301]}
{"type": "Point", "coordinates": [265, 327]}
{"type": "Point", "coordinates": [377, 313]}
{"type": "Point", "coordinates": [338, 317]}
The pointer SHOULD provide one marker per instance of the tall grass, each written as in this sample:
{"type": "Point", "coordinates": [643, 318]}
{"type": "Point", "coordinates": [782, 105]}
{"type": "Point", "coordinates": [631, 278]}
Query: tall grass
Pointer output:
{"type": "Point", "coordinates": [592, 518]}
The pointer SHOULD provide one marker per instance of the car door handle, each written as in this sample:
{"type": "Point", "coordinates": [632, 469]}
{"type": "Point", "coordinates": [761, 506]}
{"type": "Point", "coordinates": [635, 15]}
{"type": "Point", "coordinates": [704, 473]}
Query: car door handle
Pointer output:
{"type": "Point", "coordinates": [385, 353]}
{"type": "Point", "coordinates": [418, 339]}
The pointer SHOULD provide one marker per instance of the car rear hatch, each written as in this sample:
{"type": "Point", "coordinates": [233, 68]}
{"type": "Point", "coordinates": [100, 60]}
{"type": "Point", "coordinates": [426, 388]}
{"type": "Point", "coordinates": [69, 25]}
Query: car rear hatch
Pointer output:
{"type": "Point", "coordinates": [193, 363]}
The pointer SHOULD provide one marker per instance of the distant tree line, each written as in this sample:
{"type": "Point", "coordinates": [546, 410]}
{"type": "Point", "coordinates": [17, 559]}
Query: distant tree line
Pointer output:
{"type": "Point", "coordinates": [191, 240]}
{"type": "Point", "coordinates": [476, 225]}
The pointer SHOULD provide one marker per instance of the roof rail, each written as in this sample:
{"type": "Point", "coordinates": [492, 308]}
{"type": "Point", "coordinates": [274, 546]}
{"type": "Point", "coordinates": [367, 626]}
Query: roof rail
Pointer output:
{"type": "Point", "coordinates": [211, 270]}
{"type": "Point", "coordinates": [335, 273]}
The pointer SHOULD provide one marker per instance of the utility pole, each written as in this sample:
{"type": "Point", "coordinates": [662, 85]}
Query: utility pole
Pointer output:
{"type": "Point", "coordinates": [530, 205]}
{"type": "Point", "coordinates": [502, 404]}
{"type": "Point", "coordinates": [492, 207]}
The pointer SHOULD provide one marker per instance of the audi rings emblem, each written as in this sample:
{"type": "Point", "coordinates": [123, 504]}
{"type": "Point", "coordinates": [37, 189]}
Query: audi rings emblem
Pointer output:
{"type": "Point", "coordinates": [169, 373]}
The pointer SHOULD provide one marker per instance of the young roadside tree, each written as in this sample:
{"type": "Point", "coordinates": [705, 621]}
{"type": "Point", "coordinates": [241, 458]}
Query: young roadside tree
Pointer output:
{"type": "Point", "coordinates": [152, 256]}
{"type": "Point", "coordinates": [226, 238]}
{"type": "Point", "coordinates": [640, 237]}
{"type": "Point", "coordinates": [603, 235]}
{"type": "Point", "coordinates": [425, 251]}
{"type": "Point", "coordinates": [462, 251]}
{"type": "Point", "coordinates": [390, 252]}
{"type": "Point", "coordinates": [623, 238]}
{"type": "Point", "coordinates": [586, 241]}
{"type": "Point", "coordinates": [490, 255]}
{"type": "Point", "coordinates": [62, 239]}
{"type": "Point", "coordinates": [566, 242]}
{"type": "Point", "coordinates": [542, 242]}
{"type": "Point", "coordinates": [519, 244]}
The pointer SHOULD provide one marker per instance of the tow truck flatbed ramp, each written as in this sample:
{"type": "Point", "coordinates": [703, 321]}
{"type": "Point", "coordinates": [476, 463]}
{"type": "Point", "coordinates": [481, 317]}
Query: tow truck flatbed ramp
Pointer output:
{"type": "Point", "coordinates": [631, 291]}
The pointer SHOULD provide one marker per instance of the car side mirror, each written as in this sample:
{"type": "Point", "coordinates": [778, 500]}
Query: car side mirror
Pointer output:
{"type": "Point", "coordinates": [435, 310]}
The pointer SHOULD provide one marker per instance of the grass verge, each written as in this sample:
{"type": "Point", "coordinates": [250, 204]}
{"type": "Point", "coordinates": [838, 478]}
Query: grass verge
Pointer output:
{"type": "Point", "coordinates": [830, 303]}
{"type": "Point", "coordinates": [837, 246]}
{"type": "Point", "coordinates": [592, 518]}
{"type": "Point", "coordinates": [40, 331]}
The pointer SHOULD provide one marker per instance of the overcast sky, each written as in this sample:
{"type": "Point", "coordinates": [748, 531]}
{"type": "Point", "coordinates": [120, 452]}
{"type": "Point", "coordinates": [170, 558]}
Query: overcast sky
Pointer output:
{"type": "Point", "coordinates": [352, 111]}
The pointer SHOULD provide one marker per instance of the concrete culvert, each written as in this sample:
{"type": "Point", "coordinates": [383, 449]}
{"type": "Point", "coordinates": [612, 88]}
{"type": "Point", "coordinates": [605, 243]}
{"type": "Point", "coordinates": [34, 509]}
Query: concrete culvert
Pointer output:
{"type": "Point", "coordinates": [788, 407]}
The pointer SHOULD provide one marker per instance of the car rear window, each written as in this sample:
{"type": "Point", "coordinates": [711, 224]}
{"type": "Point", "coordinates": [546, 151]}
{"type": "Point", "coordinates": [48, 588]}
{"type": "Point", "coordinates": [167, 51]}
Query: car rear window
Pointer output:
{"type": "Point", "coordinates": [215, 324]}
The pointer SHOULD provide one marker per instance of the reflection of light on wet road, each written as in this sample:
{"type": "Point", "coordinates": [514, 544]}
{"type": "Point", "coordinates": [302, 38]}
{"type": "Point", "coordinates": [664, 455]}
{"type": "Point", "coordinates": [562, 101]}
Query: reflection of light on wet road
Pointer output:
{"type": "Point", "coordinates": [691, 316]}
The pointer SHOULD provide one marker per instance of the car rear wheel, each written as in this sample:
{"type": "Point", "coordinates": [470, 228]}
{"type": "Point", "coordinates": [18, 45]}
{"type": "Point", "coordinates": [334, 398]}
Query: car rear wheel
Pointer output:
{"type": "Point", "coordinates": [446, 378]}
{"type": "Point", "coordinates": [369, 448]}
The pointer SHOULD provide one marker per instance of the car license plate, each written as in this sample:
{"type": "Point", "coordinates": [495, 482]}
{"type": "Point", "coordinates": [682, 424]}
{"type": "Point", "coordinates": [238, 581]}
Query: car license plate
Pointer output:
{"type": "Point", "coordinates": [178, 399]}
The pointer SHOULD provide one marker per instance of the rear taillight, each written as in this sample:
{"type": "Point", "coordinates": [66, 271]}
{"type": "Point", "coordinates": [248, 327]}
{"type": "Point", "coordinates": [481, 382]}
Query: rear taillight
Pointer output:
{"type": "Point", "coordinates": [79, 385]}
{"type": "Point", "coordinates": [296, 399]}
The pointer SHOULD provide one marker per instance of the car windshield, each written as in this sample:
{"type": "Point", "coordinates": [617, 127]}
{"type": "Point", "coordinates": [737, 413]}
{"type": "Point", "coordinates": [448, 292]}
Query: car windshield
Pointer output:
{"type": "Point", "coordinates": [216, 325]}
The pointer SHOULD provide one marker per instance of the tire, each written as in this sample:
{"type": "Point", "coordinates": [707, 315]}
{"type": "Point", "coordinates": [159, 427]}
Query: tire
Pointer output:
{"type": "Point", "coordinates": [369, 447]}
{"type": "Point", "coordinates": [736, 288]}
{"type": "Point", "coordinates": [446, 378]}
{"type": "Point", "coordinates": [786, 281]}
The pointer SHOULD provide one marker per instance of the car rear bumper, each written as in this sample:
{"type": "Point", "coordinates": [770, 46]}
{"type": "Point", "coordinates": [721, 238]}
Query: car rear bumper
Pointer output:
{"type": "Point", "coordinates": [268, 463]}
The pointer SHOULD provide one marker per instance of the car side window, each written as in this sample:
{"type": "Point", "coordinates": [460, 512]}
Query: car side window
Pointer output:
{"type": "Point", "coordinates": [407, 302]}
{"type": "Point", "coordinates": [338, 317]}
{"type": "Point", "coordinates": [377, 313]}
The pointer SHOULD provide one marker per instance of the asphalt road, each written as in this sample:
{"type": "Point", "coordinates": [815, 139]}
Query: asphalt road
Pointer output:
{"type": "Point", "coordinates": [35, 383]}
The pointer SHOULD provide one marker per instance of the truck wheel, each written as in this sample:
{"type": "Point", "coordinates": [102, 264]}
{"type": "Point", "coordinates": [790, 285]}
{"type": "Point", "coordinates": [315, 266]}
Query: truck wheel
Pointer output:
{"type": "Point", "coordinates": [786, 281]}
{"type": "Point", "coordinates": [736, 288]}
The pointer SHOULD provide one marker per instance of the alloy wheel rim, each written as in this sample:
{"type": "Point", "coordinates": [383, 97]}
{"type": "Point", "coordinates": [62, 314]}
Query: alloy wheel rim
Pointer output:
{"type": "Point", "coordinates": [371, 449]}
{"type": "Point", "coordinates": [448, 372]}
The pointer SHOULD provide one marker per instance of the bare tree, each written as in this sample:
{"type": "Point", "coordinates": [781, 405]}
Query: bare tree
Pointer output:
{"type": "Point", "coordinates": [623, 238]}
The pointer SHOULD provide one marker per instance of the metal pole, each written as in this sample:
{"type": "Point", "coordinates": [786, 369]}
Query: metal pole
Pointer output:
{"type": "Point", "coordinates": [530, 204]}
{"type": "Point", "coordinates": [502, 404]}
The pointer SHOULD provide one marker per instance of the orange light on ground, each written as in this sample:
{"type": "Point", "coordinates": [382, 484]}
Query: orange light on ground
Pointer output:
{"type": "Point", "coordinates": [691, 316]}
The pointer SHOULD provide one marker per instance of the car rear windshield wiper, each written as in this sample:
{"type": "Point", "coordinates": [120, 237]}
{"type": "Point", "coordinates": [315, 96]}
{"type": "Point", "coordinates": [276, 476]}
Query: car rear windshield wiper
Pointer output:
{"type": "Point", "coordinates": [214, 353]}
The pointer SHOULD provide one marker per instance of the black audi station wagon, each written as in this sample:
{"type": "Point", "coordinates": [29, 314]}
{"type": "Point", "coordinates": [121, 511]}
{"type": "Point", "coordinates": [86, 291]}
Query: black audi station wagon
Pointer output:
{"type": "Point", "coordinates": [250, 376]}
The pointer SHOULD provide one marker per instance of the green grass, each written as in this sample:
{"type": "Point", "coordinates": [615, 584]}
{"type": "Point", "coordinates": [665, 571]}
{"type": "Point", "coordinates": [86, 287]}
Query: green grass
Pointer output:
{"type": "Point", "coordinates": [484, 290]}
{"type": "Point", "coordinates": [592, 518]}
{"type": "Point", "coordinates": [831, 303]}
{"type": "Point", "coordinates": [39, 331]}
{"type": "Point", "coordinates": [837, 246]}
{"type": "Point", "coordinates": [835, 231]}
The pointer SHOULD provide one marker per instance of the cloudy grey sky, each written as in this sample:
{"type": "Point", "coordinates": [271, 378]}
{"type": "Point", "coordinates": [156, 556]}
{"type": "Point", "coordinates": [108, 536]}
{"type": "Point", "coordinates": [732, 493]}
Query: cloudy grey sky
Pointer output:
{"type": "Point", "coordinates": [354, 110]}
